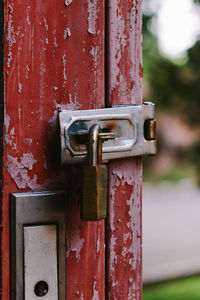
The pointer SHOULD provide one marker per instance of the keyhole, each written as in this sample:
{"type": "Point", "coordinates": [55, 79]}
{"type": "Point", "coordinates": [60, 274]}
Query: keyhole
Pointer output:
{"type": "Point", "coordinates": [41, 288]}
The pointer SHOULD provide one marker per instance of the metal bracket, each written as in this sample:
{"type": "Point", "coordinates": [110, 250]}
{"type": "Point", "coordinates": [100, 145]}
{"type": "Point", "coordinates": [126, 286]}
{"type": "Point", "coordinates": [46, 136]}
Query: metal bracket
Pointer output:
{"type": "Point", "coordinates": [41, 214]}
{"type": "Point", "coordinates": [133, 129]}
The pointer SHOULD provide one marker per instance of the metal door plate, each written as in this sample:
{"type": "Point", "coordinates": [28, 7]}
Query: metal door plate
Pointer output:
{"type": "Point", "coordinates": [127, 122]}
{"type": "Point", "coordinates": [40, 262]}
{"type": "Point", "coordinates": [29, 210]}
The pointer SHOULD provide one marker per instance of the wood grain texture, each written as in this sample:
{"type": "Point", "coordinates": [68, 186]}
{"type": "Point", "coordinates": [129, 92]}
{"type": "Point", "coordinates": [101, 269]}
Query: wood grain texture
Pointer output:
{"type": "Point", "coordinates": [54, 57]}
{"type": "Point", "coordinates": [124, 259]}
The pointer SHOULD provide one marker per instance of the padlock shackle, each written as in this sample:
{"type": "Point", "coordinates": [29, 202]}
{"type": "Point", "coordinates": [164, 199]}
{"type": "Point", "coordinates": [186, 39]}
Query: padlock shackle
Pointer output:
{"type": "Point", "coordinates": [94, 146]}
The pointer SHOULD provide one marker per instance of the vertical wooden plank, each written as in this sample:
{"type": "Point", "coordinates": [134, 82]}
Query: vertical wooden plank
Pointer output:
{"type": "Point", "coordinates": [124, 265]}
{"type": "Point", "coordinates": [54, 57]}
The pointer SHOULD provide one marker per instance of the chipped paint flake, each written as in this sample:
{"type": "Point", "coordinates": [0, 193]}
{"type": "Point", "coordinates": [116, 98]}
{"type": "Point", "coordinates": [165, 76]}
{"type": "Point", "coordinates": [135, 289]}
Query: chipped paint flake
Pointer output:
{"type": "Point", "coordinates": [118, 42]}
{"type": "Point", "coordinates": [123, 89]}
{"type": "Point", "coordinates": [115, 283]}
{"type": "Point", "coordinates": [68, 2]}
{"type": "Point", "coordinates": [75, 242]}
{"type": "Point", "coordinates": [126, 236]}
{"type": "Point", "coordinates": [74, 104]}
{"type": "Point", "coordinates": [98, 245]}
{"type": "Point", "coordinates": [54, 88]}
{"type": "Point", "coordinates": [95, 292]}
{"type": "Point", "coordinates": [64, 61]}
{"type": "Point", "coordinates": [134, 213]}
{"type": "Point", "coordinates": [18, 170]}
{"type": "Point", "coordinates": [18, 167]}
{"type": "Point", "coordinates": [96, 52]}
{"type": "Point", "coordinates": [10, 35]}
{"type": "Point", "coordinates": [67, 33]}
{"type": "Point", "coordinates": [113, 256]}
{"type": "Point", "coordinates": [55, 42]}
{"type": "Point", "coordinates": [28, 15]}
{"type": "Point", "coordinates": [132, 290]}
{"type": "Point", "coordinates": [12, 132]}
{"type": "Point", "coordinates": [9, 135]}
{"type": "Point", "coordinates": [19, 113]}
{"type": "Point", "coordinates": [76, 246]}
{"type": "Point", "coordinates": [6, 125]}
{"type": "Point", "coordinates": [20, 88]}
{"type": "Point", "coordinates": [54, 39]}
{"type": "Point", "coordinates": [27, 160]}
{"type": "Point", "coordinates": [27, 71]}
{"type": "Point", "coordinates": [92, 16]}
{"type": "Point", "coordinates": [45, 24]}
{"type": "Point", "coordinates": [28, 141]}
{"type": "Point", "coordinates": [81, 297]}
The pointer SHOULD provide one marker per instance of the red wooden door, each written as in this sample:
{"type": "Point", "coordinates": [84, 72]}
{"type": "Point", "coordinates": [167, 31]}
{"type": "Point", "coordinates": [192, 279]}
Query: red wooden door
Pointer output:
{"type": "Point", "coordinates": [74, 55]}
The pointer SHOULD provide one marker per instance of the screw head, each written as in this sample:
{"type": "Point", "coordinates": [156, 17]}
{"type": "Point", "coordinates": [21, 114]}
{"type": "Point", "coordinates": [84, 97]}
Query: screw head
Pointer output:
{"type": "Point", "coordinates": [41, 289]}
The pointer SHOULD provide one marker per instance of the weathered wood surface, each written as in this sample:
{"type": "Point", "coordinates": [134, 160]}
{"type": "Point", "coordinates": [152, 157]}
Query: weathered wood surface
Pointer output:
{"type": "Point", "coordinates": [124, 269]}
{"type": "Point", "coordinates": [54, 57]}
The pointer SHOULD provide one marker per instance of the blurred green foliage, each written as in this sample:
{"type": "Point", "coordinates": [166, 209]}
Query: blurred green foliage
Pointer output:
{"type": "Point", "coordinates": [174, 85]}
{"type": "Point", "coordinates": [194, 158]}
{"type": "Point", "coordinates": [174, 174]}
{"type": "Point", "coordinates": [182, 289]}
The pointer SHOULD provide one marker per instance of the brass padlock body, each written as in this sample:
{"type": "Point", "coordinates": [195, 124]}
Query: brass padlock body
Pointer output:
{"type": "Point", "coordinates": [94, 198]}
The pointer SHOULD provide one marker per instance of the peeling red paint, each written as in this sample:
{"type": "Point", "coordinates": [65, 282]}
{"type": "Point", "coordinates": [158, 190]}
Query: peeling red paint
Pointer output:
{"type": "Point", "coordinates": [52, 61]}
{"type": "Point", "coordinates": [124, 275]}
{"type": "Point", "coordinates": [54, 57]}
{"type": "Point", "coordinates": [124, 45]}
{"type": "Point", "coordinates": [92, 15]}
{"type": "Point", "coordinates": [19, 169]}
{"type": "Point", "coordinates": [124, 230]}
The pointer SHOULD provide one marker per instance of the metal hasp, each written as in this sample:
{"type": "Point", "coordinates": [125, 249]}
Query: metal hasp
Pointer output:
{"type": "Point", "coordinates": [93, 137]}
{"type": "Point", "coordinates": [132, 128]}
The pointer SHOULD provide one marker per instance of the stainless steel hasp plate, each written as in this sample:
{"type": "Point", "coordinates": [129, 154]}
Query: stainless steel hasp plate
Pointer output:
{"type": "Point", "coordinates": [133, 127]}
{"type": "Point", "coordinates": [38, 246]}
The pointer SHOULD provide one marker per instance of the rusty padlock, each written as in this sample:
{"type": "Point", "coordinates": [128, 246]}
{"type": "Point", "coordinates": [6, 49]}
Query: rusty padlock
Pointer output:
{"type": "Point", "coordinates": [95, 176]}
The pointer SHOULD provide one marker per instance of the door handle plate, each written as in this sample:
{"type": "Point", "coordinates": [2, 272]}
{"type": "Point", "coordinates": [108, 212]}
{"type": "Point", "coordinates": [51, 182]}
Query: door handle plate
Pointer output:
{"type": "Point", "coordinates": [37, 223]}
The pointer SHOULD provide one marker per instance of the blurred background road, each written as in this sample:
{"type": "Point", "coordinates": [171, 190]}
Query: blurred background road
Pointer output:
{"type": "Point", "coordinates": [171, 230]}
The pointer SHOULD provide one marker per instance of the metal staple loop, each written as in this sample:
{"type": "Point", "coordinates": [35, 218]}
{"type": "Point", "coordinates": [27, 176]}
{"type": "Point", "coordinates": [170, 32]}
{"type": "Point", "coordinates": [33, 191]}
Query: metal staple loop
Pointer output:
{"type": "Point", "coordinates": [150, 130]}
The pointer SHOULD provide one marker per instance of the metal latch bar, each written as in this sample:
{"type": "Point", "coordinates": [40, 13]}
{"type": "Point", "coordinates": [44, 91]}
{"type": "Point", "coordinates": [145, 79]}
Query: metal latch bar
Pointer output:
{"type": "Point", "coordinates": [132, 128]}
